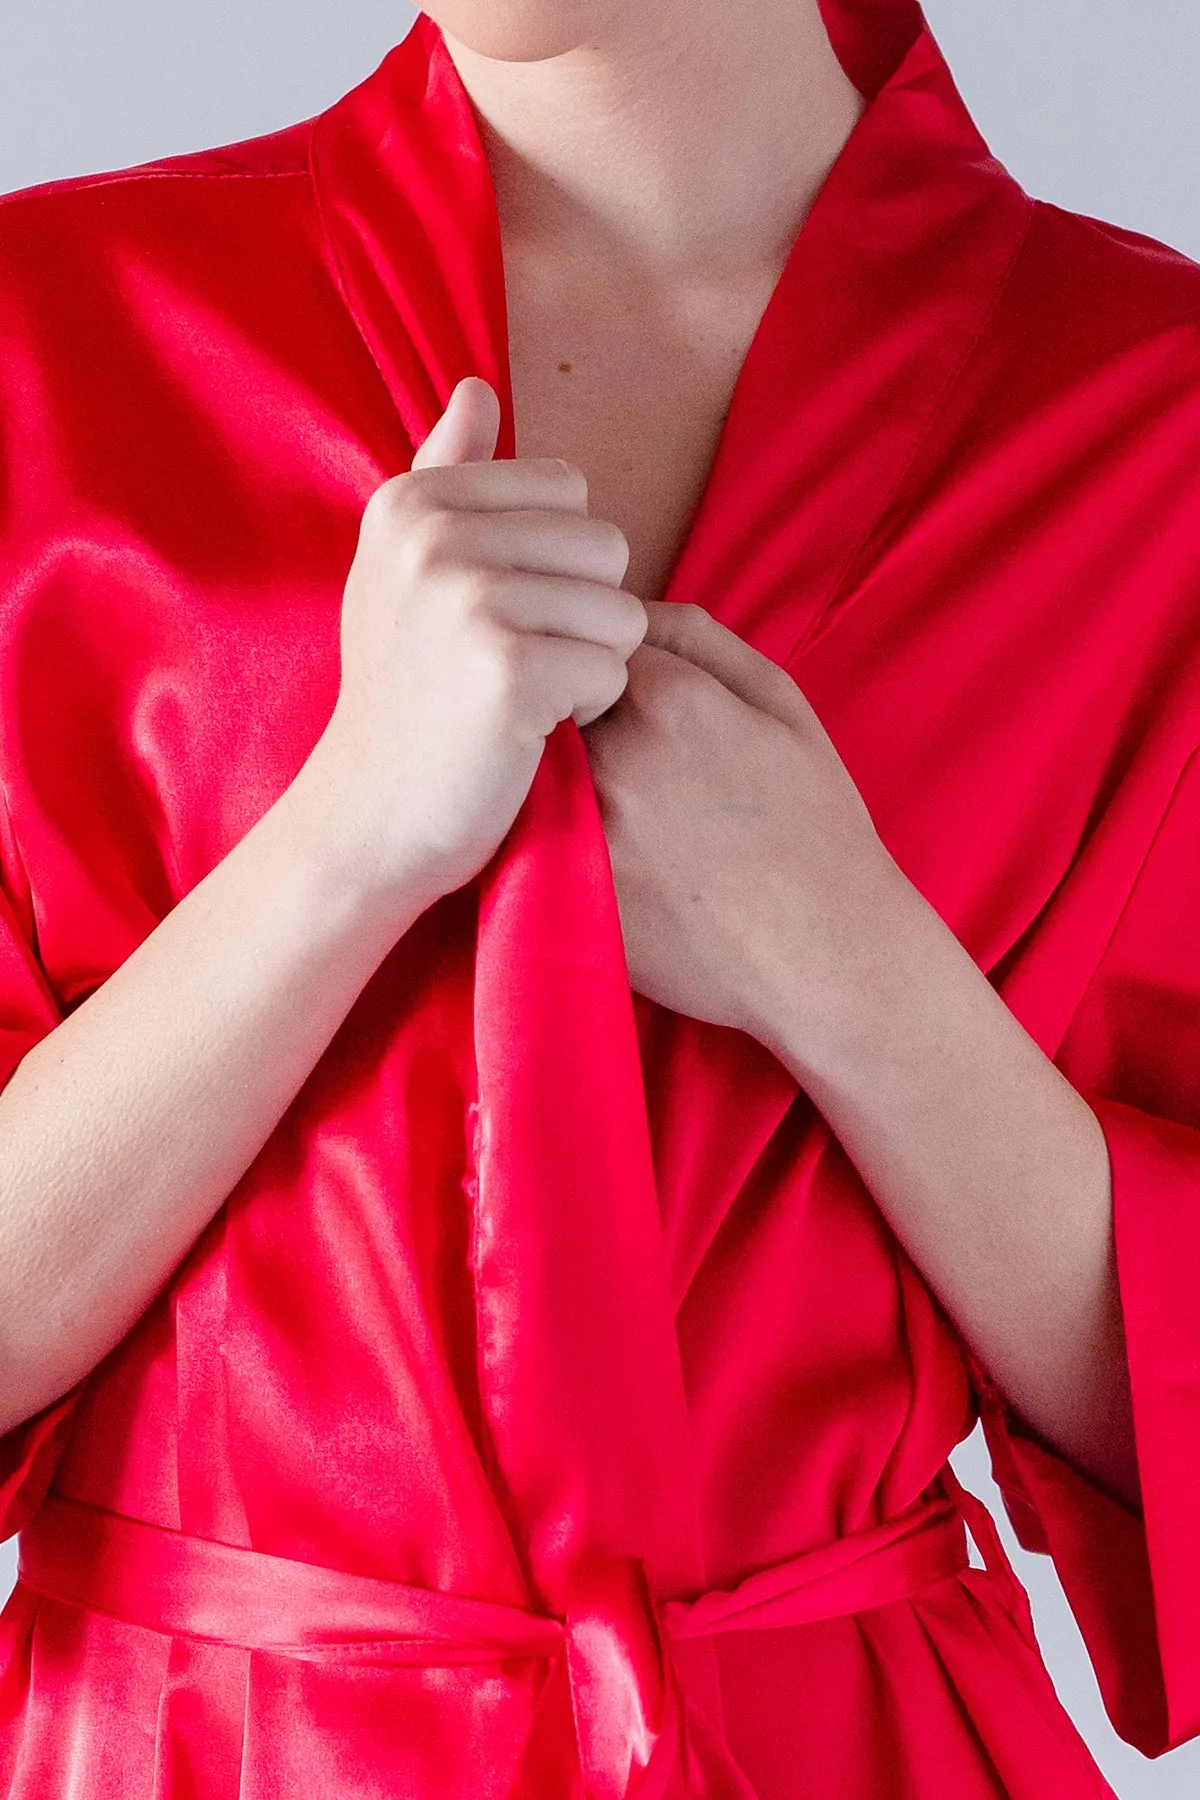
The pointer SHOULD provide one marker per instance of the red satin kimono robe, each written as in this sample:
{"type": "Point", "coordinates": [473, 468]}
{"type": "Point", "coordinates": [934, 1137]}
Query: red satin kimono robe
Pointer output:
{"type": "Point", "coordinates": [549, 1411]}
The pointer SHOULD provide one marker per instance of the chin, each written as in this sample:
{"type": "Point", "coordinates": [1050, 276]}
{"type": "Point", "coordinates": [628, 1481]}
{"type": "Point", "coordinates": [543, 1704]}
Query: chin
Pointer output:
{"type": "Point", "coordinates": [521, 30]}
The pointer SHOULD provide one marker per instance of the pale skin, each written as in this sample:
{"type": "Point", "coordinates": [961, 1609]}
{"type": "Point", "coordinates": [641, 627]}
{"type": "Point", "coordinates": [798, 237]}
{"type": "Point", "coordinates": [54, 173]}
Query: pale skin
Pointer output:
{"type": "Point", "coordinates": [755, 892]}
{"type": "Point", "coordinates": [753, 888]}
{"type": "Point", "coordinates": [677, 149]}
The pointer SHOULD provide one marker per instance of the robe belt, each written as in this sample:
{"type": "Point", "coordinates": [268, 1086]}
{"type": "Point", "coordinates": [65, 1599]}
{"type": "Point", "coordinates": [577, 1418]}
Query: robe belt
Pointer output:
{"type": "Point", "coordinates": [614, 1636]}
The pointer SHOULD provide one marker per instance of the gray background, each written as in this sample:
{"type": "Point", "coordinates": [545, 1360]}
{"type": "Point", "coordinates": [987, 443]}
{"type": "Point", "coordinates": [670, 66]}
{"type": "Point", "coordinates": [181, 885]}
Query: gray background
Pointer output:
{"type": "Point", "coordinates": [1090, 103]}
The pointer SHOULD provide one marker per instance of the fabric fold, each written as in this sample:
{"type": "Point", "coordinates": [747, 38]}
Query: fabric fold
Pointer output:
{"type": "Point", "coordinates": [635, 1726]}
{"type": "Point", "coordinates": [539, 1296]}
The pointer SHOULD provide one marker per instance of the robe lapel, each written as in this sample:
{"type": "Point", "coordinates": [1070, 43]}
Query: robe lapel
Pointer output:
{"type": "Point", "coordinates": [579, 1368]}
{"type": "Point", "coordinates": [882, 298]}
{"type": "Point", "coordinates": [407, 199]}
{"type": "Point", "coordinates": [579, 1363]}
{"type": "Point", "coordinates": [886, 292]}
{"type": "Point", "coordinates": [576, 1329]}
{"type": "Point", "coordinates": [884, 295]}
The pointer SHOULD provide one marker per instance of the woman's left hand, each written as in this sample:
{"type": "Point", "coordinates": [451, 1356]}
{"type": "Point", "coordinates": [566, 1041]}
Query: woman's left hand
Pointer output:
{"type": "Point", "coordinates": [750, 879]}
{"type": "Point", "coordinates": [754, 891]}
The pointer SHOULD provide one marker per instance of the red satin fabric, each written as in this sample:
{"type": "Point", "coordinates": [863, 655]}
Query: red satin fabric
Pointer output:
{"type": "Point", "coordinates": [542, 1299]}
{"type": "Point", "coordinates": [615, 1639]}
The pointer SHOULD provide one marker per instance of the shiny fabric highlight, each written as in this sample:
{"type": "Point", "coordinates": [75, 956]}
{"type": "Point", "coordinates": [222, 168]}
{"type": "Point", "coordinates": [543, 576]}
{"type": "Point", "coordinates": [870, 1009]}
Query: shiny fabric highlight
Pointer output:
{"type": "Point", "coordinates": [556, 1308]}
{"type": "Point", "coordinates": [615, 1638]}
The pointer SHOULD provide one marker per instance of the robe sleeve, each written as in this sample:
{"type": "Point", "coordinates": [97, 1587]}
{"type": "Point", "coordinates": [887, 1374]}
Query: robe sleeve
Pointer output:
{"type": "Point", "coordinates": [28, 1012]}
{"type": "Point", "coordinates": [1133, 1052]}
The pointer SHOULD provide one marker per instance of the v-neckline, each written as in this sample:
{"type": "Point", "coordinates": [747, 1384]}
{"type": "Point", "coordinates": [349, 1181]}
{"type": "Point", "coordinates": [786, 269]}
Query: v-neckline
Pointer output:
{"type": "Point", "coordinates": [882, 296]}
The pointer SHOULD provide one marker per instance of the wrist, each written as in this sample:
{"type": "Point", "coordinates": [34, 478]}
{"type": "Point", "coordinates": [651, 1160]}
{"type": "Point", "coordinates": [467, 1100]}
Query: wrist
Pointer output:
{"type": "Point", "coordinates": [354, 871]}
{"type": "Point", "coordinates": [831, 1016]}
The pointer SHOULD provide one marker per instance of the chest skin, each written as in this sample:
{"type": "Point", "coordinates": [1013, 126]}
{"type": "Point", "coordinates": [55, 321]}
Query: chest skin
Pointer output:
{"type": "Point", "coordinates": [632, 383]}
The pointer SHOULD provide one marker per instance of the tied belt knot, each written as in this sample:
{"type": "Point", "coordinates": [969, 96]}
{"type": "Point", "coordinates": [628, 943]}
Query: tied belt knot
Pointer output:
{"type": "Point", "coordinates": [613, 1643]}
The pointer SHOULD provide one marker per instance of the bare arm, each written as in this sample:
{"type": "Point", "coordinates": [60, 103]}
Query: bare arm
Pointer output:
{"type": "Point", "coordinates": [482, 608]}
{"type": "Point", "coordinates": [755, 892]}
{"type": "Point", "coordinates": [124, 1129]}
{"type": "Point", "coordinates": [992, 1171]}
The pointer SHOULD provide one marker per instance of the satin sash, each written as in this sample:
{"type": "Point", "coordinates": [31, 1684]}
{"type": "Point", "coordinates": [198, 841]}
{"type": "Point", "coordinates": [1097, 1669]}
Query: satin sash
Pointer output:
{"type": "Point", "coordinates": [614, 1642]}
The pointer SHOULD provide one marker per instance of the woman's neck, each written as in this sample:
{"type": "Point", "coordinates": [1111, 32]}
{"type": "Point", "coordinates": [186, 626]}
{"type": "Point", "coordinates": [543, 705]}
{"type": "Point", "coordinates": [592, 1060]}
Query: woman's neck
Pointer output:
{"type": "Point", "coordinates": [688, 137]}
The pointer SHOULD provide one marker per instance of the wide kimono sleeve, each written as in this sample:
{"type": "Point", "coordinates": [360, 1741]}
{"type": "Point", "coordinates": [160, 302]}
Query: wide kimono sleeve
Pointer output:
{"type": "Point", "coordinates": [1133, 1051]}
{"type": "Point", "coordinates": [28, 1012]}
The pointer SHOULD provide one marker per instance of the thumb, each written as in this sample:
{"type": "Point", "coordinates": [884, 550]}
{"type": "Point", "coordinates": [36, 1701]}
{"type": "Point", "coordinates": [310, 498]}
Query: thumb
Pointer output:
{"type": "Point", "coordinates": [467, 430]}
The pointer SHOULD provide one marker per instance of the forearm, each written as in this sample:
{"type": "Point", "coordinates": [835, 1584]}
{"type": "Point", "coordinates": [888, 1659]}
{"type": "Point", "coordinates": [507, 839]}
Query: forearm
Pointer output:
{"type": "Point", "coordinates": [992, 1171]}
{"type": "Point", "coordinates": [123, 1130]}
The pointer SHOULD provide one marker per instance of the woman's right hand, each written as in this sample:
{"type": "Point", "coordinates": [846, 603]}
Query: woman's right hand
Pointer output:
{"type": "Point", "coordinates": [483, 606]}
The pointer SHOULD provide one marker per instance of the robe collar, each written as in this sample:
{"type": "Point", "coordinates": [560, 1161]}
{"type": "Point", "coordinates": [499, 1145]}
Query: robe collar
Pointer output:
{"type": "Point", "coordinates": [885, 292]}
{"type": "Point", "coordinates": [883, 295]}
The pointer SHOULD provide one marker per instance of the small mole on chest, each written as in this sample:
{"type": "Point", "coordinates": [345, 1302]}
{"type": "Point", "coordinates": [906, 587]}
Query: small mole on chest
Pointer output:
{"type": "Point", "coordinates": [564, 368]}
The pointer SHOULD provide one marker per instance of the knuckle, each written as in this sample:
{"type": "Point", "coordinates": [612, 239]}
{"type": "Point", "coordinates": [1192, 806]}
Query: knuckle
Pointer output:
{"type": "Point", "coordinates": [691, 618]}
{"type": "Point", "coordinates": [383, 504]}
{"type": "Point", "coordinates": [504, 668]}
{"type": "Point", "coordinates": [476, 588]}
{"type": "Point", "coordinates": [678, 702]}
{"type": "Point", "coordinates": [428, 535]}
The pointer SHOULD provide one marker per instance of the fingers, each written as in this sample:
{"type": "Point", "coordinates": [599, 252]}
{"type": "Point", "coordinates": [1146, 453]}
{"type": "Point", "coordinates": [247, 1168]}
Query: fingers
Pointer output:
{"type": "Point", "coordinates": [542, 542]}
{"type": "Point", "coordinates": [455, 463]}
{"type": "Point", "coordinates": [543, 670]}
{"type": "Point", "coordinates": [467, 430]}
{"type": "Point", "coordinates": [555, 607]}
{"type": "Point", "coordinates": [689, 631]}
